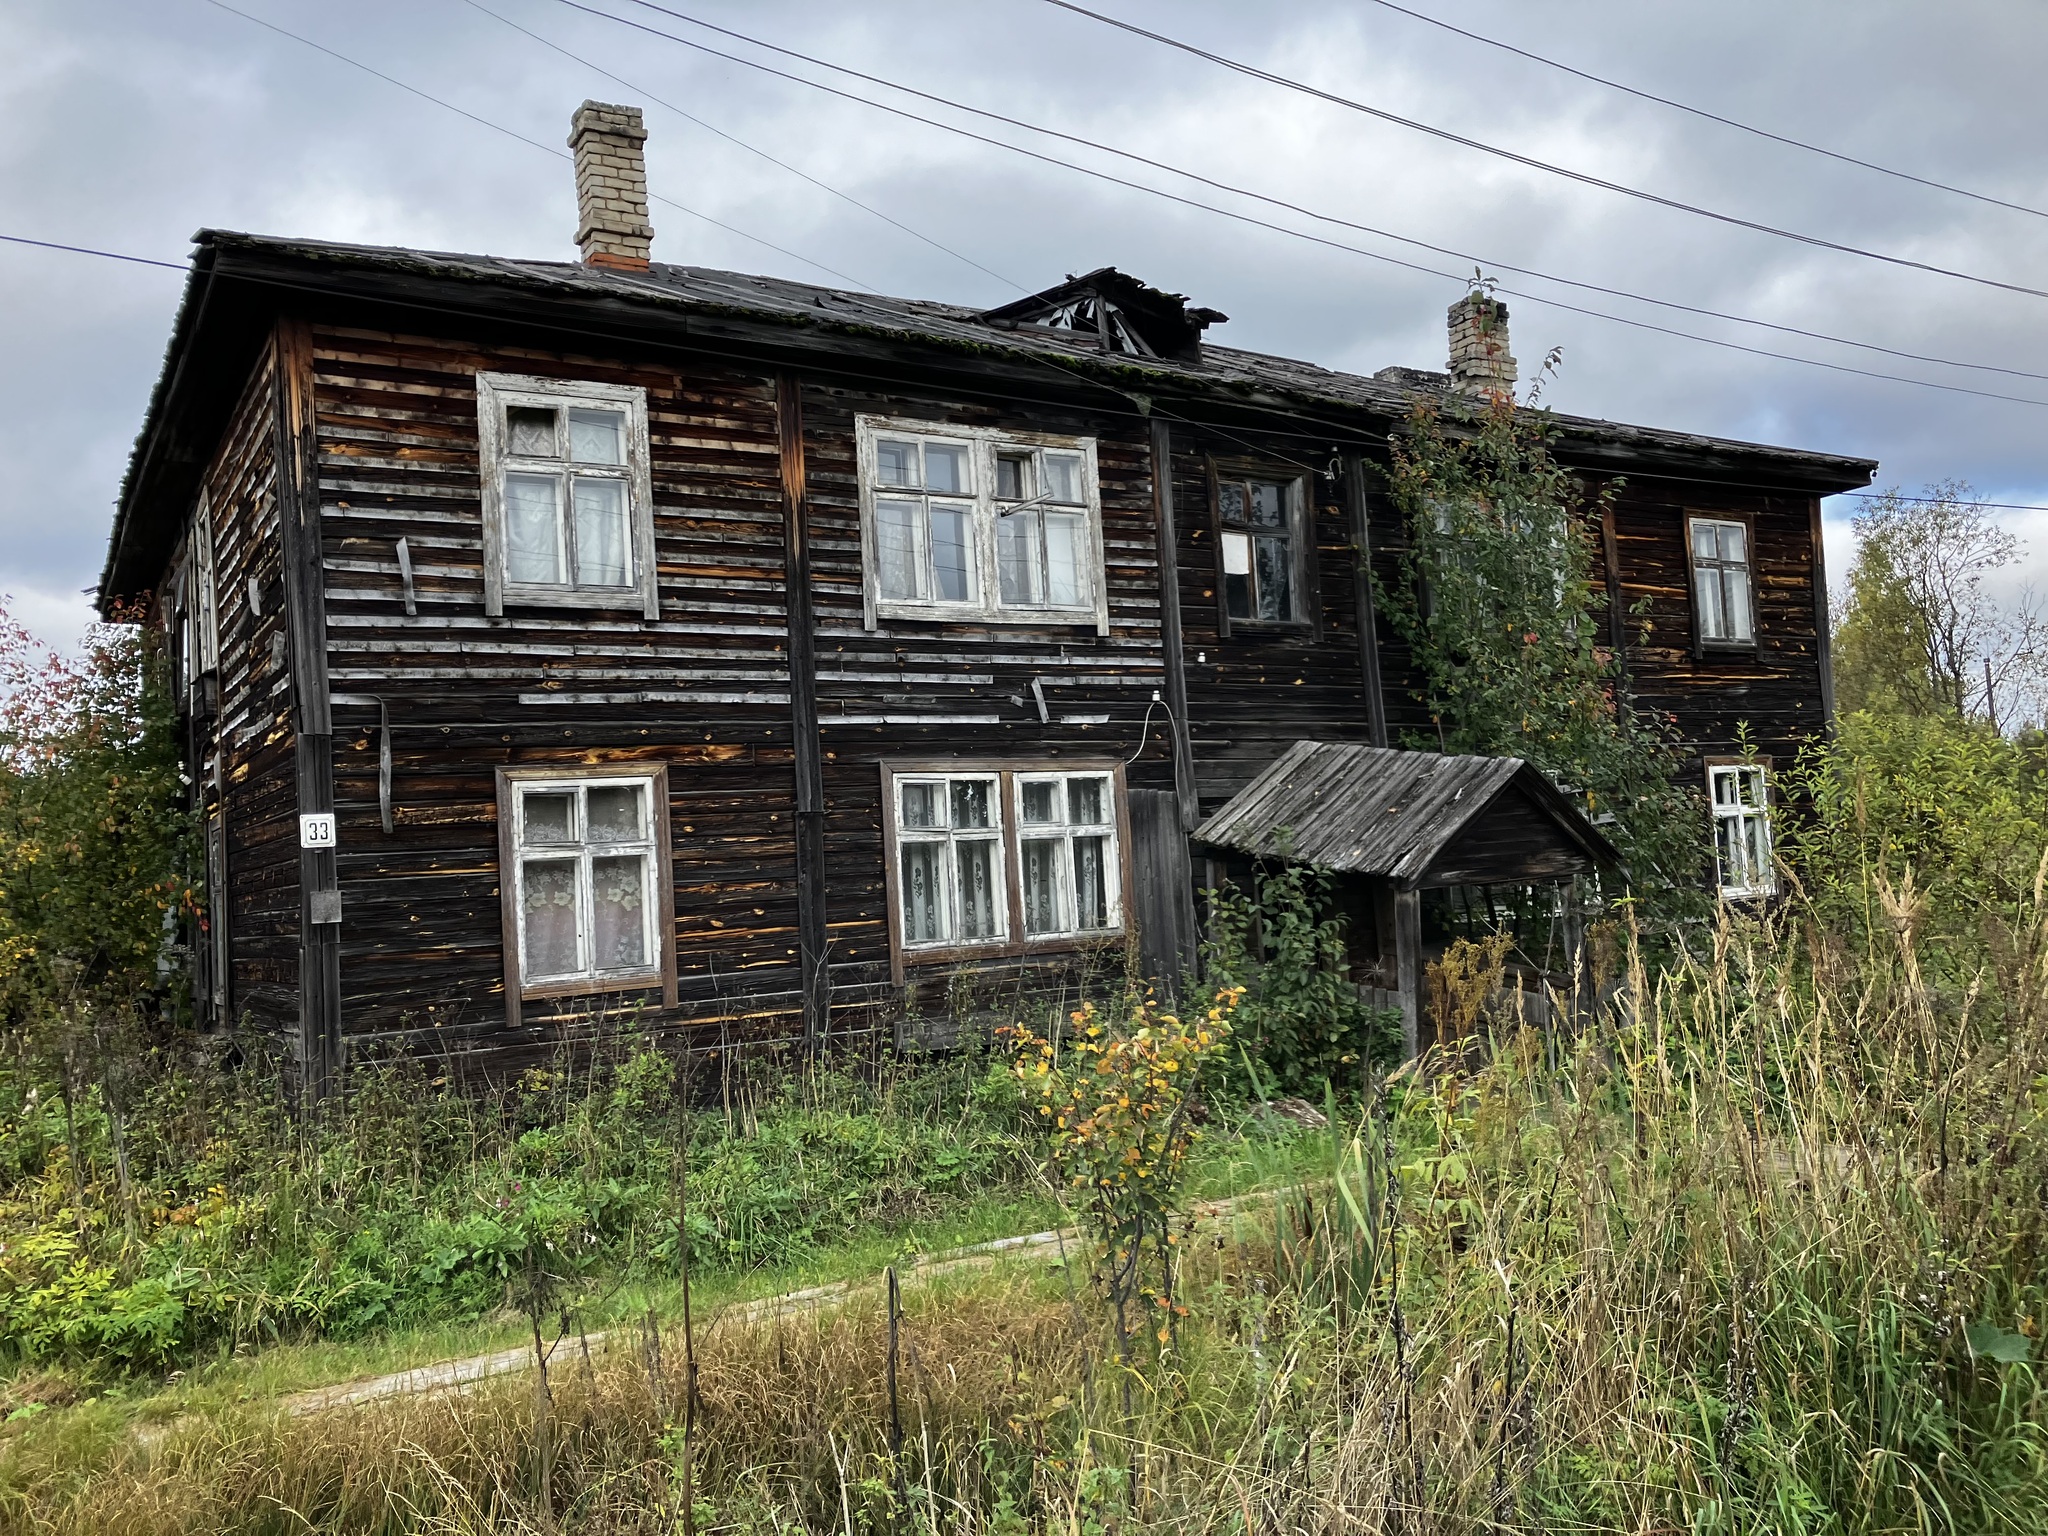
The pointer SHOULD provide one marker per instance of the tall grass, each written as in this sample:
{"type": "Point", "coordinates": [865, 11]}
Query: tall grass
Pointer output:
{"type": "Point", "coordinates": [1759, 1248]}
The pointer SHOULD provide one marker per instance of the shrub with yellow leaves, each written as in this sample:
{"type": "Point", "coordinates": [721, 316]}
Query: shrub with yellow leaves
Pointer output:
{"type": "Point", "coordinates": [1114, 1103]}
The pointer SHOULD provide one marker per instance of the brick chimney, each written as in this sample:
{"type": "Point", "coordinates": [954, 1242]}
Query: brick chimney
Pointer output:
{"type": "Point", "coordinates": [1480, 361]}
{"type": "Point", "coordinates": [611, 187]}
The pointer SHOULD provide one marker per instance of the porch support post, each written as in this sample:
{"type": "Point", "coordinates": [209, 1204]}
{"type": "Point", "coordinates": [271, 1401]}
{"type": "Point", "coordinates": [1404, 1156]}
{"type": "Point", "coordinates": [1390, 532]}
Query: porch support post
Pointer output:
{"type": "Point", "coordinates": [1408, 968]}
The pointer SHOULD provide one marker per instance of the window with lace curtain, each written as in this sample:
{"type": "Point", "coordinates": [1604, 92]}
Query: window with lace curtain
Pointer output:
{"type": "Point", "coordinates": [1003, 857]}
{"type": "Point", "coordinates": [585, 880]}
{"type": "Point", "coordinates": [568, 514]}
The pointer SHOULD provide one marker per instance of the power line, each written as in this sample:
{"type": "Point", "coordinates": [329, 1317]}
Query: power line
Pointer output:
{"type": "Point", "coordinates": [743, 144]}
{"type": "Point", "coordinates": [1259, 223]}
{"type": "Point", "coordinates": [1713, 117]}
{"type": "Point", "coordinates": [1246, 192]}
{"type": "Point", "coordinates": [511, 133]}
{"type": "Point", "coordinates": [1585, 178]}
{"type": "Point", "coordinates": [1935, 501]}
{"type": "Point", "coordinates": [86, 250]}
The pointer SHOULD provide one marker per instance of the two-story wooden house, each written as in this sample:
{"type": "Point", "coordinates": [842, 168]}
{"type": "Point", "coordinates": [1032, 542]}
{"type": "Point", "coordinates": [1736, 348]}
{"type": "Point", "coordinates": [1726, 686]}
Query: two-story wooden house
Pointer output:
{"type": "Point", "coordinates": [768, 658]}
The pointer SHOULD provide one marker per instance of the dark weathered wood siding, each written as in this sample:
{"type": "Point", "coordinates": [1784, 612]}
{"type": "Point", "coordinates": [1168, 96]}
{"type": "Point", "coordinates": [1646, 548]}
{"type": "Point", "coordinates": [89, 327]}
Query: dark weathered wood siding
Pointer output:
{"type": "Point", "coordinates": [704, 691]}
{"type": "Point", "coordinates": [1255, 692]}
{"type": "Point", "coordinates": [240, 726]}
{"type": "Point", "coordinates": [1774, 695]}
{"type": "Point", "coordinates": [920, 690]}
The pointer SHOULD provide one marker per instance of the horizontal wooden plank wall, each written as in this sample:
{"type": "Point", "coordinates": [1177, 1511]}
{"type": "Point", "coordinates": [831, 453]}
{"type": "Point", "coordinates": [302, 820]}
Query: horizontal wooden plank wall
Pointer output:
{"type": "Point", "coordinates": [916, 689]}
{"type": "Point", "coordinates": [247, 771]}
{"type": "Point", "coordinates": [1706, 701]}
{"type": "Point", "coordinates": [703, 690]}
{"type": "Point", "coordinates": [1252, 694]}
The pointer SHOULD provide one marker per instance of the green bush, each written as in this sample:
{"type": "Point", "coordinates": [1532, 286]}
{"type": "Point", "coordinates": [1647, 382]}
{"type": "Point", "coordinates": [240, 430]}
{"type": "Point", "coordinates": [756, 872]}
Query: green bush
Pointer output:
{"type": "Point", "coordinates": [1302, 1025]}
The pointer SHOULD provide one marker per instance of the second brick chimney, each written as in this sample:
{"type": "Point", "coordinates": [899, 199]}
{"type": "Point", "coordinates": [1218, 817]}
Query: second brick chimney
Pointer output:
{"type": "Point", "coordinates": [611, 187]}
{"type": "Point", "coordinates": [1480, 361]}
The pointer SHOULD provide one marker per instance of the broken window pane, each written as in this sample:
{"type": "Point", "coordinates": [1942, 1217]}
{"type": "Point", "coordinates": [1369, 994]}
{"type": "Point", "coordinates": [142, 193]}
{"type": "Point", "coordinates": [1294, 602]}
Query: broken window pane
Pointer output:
{"type": "Point", "coordinates": [614, 814]}
{"type": "Point", "coordinates": [952, 554]}
{"type": "Point", "coordinates": [971, 800]}
{"type": "Point", "coordinates": [977, 890]}
{"type": "Point", "coordinates": [896, 463]}
{"type": "Point", "coordinates": [601, 559]}
{"type": "Point", "coordinates": [597, 437]}
{"type": "Point", "coordinates": [1275, 579]}
{"type": "Point", "coordinates": [531, 430]}
{"type": "Point", "coordinates": [533, 528]}
{"type": "Point", "coordinates": [1091, 899]}
{"type": "Point", "coordinates": [896, 554]}
{"type": "Point", "coordinates": [1040, 879]}
{"type": "Point", "coordinates": [1063, 544]}
{"type": "Point", "coordinates": [618, 904]}
{"type": "Point", "coordinates": [548, 917]}
{"type": "Point", "coordinates": [549, 818]}
{"type": "Point", "coordinates": [924, 895]}
{"type": "Point", "coordinates": [945, 468]}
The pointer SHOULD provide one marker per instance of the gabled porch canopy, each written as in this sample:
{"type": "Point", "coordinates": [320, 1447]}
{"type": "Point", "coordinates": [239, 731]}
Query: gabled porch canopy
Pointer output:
{"type": "Point", "coordinates": [1414, 819]}
{"type": "Point", "coordinates": [1392, 824]}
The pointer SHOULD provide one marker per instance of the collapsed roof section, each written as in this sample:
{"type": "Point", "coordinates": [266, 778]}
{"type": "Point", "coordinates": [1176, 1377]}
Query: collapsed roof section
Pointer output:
{"type": "Point", "coordinates": [1121, 313]}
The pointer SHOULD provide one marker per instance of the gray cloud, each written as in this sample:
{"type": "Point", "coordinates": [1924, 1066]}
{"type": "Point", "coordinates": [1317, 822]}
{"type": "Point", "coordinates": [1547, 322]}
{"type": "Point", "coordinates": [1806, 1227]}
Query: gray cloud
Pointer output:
{"type": "Point", "coordinates": [126, 124]}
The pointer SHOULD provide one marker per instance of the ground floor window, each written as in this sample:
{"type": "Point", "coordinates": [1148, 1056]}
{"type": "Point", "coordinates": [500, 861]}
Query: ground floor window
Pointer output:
{"type": "Point", "coordinates": [990, 857]}
{"type": "Point", "coordinates": [1740, 796]}
{"type": "Point", "coordinates": [584, 880]}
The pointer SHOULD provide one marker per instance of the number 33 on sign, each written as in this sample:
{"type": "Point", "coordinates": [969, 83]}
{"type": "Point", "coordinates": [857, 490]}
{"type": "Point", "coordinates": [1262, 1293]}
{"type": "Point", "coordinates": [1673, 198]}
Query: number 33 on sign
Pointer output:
{"type": "Point", "coordinates": [317, 830]}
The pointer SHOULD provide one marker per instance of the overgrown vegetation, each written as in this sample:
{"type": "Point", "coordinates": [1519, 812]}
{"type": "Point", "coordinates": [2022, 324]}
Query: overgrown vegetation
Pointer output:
{"type": "Point", "coordinates": [1496, 603]}
{"type": "Point", "coordinates": [1760, 1250]}
{"type": "Point", "coordinates": [237, 1225]}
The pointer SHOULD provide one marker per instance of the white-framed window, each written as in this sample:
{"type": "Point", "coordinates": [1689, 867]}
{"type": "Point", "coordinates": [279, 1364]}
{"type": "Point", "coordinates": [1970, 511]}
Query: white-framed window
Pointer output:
{"type": "Point", "coordinates": [950, 866]}
{"type": "Point", "coordinates": [1723, 592]}
{"type": "Point", "coordinates": [1067, 853]}
{"type": "Point", "coordinates": [1002, 857]}
{"type": "Point", "coordinates": [971, 522]}
{"type": "Point", "coordinates": [584, 880]}
{"type": "Point", "coordinates": [1739, 794]}
{"type": "Point", "coordinates": [567, 496]}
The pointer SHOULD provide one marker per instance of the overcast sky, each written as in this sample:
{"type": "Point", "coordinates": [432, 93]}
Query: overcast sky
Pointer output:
{"type": "Point", "coordinates": [127, 124]}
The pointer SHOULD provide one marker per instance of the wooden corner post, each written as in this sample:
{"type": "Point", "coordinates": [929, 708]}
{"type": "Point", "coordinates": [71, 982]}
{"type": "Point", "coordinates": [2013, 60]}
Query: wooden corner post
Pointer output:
{"type": "Point", "coordinates": [318, 1047]}
{"type": "Point", "coordinates": [812, 935]}
{"type": "Point", "coordinates": [1184, 789]}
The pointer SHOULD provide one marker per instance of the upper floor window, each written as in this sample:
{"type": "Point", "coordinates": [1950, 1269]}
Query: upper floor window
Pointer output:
{"type": "Point", "coordinates": [1740, 797]}
{"type": "Point", "coordinates": [971, 522]}
{"type": "Point", "coordinates": [568, 507]}
{"type": "Point", "coordinates": [1262, 547]}
{"type": "Point", "coordinates": [1721, 582]}
{"type": "Point", "coordinates": [1003, 857]}
{"type": "Point", "coordinates": [584, 879]}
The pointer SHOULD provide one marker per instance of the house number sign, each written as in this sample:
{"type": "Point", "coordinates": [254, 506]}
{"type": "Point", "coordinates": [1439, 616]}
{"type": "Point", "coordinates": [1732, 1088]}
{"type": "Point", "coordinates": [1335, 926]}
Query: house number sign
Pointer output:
{"type": "Point", "coordinates": [317, 830]}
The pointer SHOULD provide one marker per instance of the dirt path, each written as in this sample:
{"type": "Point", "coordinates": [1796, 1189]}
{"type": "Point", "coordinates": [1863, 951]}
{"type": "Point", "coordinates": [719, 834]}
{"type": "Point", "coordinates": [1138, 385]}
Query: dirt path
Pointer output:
{"type": "Point", "coordinates": [455, 1375]}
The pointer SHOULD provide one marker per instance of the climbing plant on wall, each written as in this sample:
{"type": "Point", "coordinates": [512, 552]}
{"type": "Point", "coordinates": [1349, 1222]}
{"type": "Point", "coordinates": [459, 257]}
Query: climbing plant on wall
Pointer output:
{"type": "Point", "coordinates": [1496, 604]}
